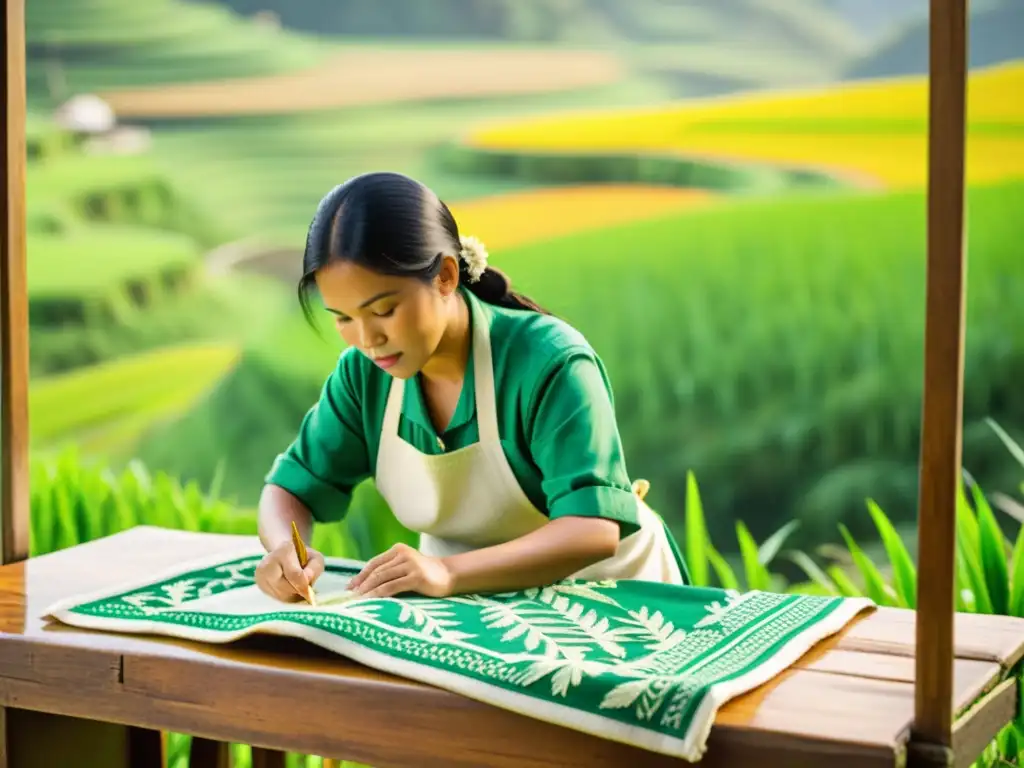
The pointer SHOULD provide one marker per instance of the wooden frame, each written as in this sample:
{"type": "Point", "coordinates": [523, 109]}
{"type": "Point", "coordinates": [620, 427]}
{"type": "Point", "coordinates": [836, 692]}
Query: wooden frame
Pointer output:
{"type": "Point", "coordinates": [934, 739]}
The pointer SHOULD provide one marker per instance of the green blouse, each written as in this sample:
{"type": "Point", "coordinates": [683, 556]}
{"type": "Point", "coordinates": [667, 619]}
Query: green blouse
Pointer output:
{"type": "Point", "coordinates": [556, 422]}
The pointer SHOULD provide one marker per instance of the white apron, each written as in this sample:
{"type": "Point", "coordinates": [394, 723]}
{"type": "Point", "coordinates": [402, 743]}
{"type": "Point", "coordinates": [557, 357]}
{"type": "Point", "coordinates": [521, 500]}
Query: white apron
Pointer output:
{"type": "Point", "coordinates": [469, 498]}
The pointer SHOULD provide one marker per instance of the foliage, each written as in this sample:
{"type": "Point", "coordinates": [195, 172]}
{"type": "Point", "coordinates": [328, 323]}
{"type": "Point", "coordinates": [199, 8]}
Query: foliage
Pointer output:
{"type": "Point", "coordinates": [989, 569]}
{"type": "Point", "coordinates": [875, 130]}
{"type": "Point", "coordinates": [74, 501]}
{"type": "Point", "coordinates": [178, 745]}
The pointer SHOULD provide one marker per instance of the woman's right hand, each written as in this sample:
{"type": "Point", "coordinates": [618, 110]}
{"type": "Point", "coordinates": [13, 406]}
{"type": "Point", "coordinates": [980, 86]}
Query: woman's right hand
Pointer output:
{"type": "Point", "coordinates": [280, 576]}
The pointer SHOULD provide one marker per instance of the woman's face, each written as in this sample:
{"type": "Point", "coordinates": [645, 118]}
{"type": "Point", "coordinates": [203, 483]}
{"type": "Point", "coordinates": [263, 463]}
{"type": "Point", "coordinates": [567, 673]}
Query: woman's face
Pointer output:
{"type": "Point", "coordinates": [397, 322]}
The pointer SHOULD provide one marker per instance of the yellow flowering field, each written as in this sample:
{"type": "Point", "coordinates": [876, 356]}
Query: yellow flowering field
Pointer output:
{"type": "Point", "coordinates": [518, 218]}
{"type": "Point", "coordinates": [874, 132]}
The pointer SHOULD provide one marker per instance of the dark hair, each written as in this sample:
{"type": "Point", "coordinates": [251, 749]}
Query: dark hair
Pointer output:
{"type": "Point", "coordinates": [392, 224]}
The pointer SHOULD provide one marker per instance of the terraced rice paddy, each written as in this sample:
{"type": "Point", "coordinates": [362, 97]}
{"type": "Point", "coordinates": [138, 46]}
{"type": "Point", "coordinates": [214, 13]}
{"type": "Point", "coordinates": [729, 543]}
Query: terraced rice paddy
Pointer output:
{"type": "Point", "coordinates": [371, 76]}
{"type": "Point", "coordinates": [528, 216]}
{"type": "Point", "coordinates": [873, 133]}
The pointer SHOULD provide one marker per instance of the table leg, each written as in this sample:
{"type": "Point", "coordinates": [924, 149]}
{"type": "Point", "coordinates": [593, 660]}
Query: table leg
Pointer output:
{"type": "Point", "coordinates": [205, 753]}
{"type": "Point", "coordinates": [42, 740]}
{"type": "Point", "coordinates": [267, 758]}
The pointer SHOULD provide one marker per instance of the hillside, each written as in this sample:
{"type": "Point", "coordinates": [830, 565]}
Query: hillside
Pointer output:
{"type": "Point", "coordinates": [74, 46]}
{"type": "Point", "coordinates": [877, 19]}
{"type": "Point", "coordinates": [692, 46]}
{"type": "Point", "coordinates": [996, 36]}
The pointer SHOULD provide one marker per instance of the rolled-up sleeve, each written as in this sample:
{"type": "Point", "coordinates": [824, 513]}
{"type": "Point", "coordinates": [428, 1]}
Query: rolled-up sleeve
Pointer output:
{"type": "Point", "coordinates": [575, 443]}
{"type": "Point", "coordinates": [328, 457]}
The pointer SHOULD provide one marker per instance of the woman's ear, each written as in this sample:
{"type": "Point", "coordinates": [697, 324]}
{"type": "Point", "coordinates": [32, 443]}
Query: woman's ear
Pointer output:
{"type": "Point", "coordinates": [447, 279]}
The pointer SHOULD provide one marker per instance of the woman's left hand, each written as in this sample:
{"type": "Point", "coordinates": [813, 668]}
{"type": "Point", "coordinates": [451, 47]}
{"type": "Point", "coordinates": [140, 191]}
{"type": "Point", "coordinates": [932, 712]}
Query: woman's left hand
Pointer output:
{"type": "Point", "coordinates": [403, 569]}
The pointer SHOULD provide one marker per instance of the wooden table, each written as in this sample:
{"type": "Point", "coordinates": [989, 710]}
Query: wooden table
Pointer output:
{"type": "Point", "coordinates": [102, 698]}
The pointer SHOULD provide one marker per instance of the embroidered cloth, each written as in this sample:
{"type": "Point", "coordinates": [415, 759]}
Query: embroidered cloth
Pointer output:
{"type": "Point", "coordinates": [636, 662]}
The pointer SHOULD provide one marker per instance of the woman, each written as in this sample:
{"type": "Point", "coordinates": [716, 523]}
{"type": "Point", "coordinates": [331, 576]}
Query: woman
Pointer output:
{"type": "Point", "coordinates": [486, 423]}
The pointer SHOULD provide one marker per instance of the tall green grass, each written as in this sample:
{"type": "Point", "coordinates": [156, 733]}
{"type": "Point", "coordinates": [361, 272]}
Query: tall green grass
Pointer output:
{"type": "Point", "coordinates": [75, 500]}
{"type": "Point", "coordinates": [989, 570]}
{"type": "Point", "coordinates": [774, 347]}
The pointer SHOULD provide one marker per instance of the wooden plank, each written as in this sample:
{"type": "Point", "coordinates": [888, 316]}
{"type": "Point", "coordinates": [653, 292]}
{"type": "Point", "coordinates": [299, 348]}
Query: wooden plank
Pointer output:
{"type": "Point", "coordinates": [977, 636]}
{"type": "Point", "coordinates": [807, 715]}
{"type": "Point", "coordinates": [14, 435]}
{"type": "Point", "coordinates": [976, 729]}
{"type": "Point", "coordinates": [942, 415]}
{"type": "Point", "coordinates": [970, 678]}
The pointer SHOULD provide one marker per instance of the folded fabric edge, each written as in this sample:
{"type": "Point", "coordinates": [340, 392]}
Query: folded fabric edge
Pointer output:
{"type": "Point", "coordinates": [704, 718]}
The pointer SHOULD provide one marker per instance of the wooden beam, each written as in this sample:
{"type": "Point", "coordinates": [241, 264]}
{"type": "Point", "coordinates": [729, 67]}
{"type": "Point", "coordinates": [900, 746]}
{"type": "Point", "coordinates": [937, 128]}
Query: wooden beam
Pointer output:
{"type": "Point", "coordinates": [14, 438]}
{"type": "Point", "coordinates": [941, 436]}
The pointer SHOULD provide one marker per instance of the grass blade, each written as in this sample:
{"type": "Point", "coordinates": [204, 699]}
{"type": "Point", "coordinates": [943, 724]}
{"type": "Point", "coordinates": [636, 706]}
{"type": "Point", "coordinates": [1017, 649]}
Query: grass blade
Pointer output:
{"type": "Point", "coordinates": [757, 575]}
{"type": "Point", "coordinates": [1011, 445]}
{"type": "Point", "coordinates": [846, 587]}
{"type": "Point", "coordinates": [771, 546]}
{"type": "Point", "coordinates": [726, 575]}
{"type": "Point", "coordinates": [697, 542]}
{"type": "Point", "coordinates": [814, 573]}
{"type": "Point", "coordinates": [1017, 576]}
{"type": "Point", "coordinates": [992, 547]}
{"type": "Point", "coordinates": [904, 572]}
{"type": "Point", "coordinates": [874, 584]}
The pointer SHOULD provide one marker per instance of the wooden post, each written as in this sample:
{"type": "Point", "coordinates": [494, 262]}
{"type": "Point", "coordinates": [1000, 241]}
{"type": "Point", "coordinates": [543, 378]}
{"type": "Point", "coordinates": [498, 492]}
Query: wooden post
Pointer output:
{"type": "Point", "coordinates": [940, 468]}
{"type": "Point", "coordinates": [14, 438]}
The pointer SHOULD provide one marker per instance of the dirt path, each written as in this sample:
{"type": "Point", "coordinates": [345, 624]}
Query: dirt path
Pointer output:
{"type": "Point", "coordinates": [366, 77]}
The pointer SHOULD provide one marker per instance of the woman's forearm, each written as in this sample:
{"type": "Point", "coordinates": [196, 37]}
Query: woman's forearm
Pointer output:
{"type": "Point", "coordinates": [551, 553]}
{"type": "Point", "coordinates": [277, 510]}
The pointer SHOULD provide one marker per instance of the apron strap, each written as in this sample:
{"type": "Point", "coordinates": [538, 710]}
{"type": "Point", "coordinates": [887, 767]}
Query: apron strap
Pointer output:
{"type": "Point", "coordinates": [483, 372]}
{"type": "Point", "coordinates": [393, 409]}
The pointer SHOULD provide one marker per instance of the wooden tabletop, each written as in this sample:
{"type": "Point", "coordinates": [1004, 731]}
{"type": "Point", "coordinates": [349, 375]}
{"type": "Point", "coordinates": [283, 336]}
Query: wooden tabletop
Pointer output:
{"type": "Point", "coordinates": [848, 701]}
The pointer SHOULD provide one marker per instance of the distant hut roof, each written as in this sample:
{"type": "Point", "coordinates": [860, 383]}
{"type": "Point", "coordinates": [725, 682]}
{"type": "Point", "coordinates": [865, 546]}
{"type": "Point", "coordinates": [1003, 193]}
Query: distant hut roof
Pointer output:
{"type": "Point", "coordinates": [85, 113]}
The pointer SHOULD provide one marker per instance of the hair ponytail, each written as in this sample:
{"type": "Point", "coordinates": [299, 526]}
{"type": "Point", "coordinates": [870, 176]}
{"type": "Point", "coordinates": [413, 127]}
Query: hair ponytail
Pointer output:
{"type": "Point", "coordinates": [395, 225]}
{"type": "Point", "coordinates": [489, 283]}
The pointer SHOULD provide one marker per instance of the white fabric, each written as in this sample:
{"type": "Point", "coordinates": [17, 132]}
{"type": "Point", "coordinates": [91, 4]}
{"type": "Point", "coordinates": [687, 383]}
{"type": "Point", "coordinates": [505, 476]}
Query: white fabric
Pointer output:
{"type": "Point", "coordinates": [469, 498]}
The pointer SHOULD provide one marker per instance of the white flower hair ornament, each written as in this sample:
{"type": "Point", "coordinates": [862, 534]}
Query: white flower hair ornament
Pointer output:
{"type": "Point", "coordinates": [474, 254]}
